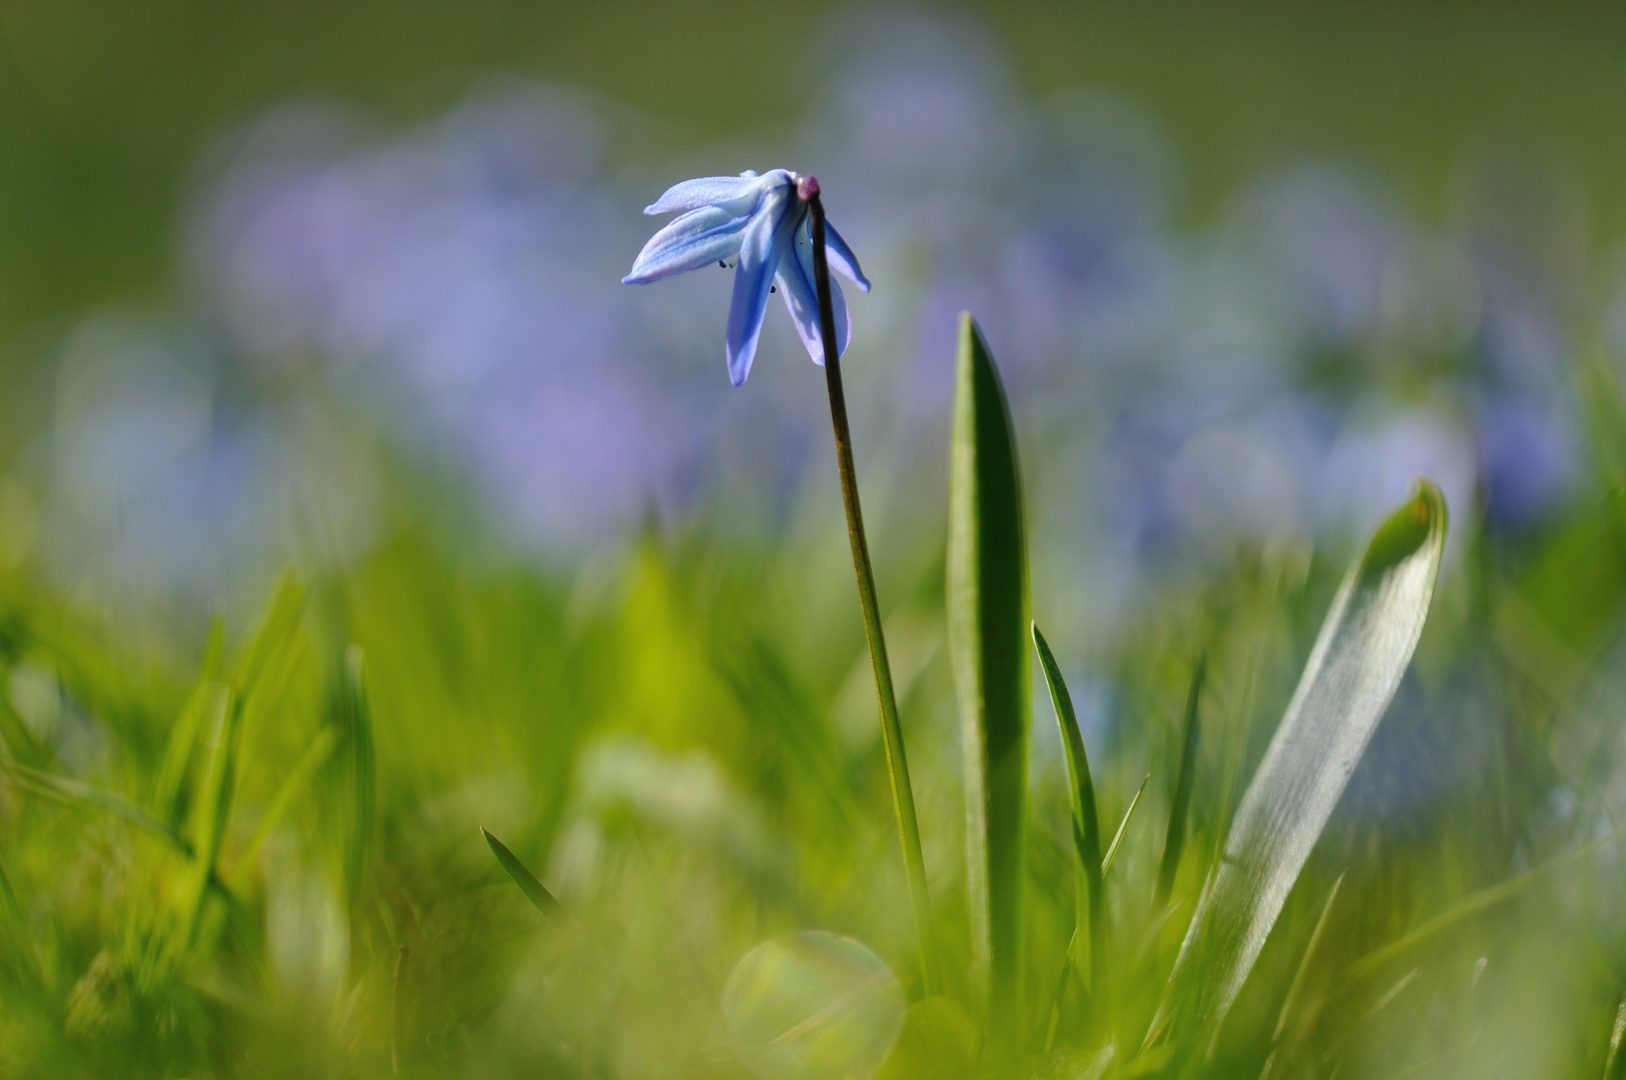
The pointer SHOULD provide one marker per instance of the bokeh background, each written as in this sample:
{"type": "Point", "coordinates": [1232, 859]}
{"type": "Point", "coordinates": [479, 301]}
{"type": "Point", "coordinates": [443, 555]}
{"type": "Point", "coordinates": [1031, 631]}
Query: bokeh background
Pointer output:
{"type": "Point", "coordinates": [335, 288]}
{"type": "Point", "coordinates": [1249, 270]}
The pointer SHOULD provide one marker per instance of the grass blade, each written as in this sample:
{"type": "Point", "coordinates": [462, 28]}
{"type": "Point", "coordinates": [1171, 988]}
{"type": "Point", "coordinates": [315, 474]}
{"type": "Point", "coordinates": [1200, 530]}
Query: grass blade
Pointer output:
{"type": "Point", "coordinates": [213, 807]}
{"type": "Point", "coordinates": [314, 757]}
{"type": "Point", "coordinates": [1296, 987]}
{"type": "Point", "coordinates": [1353, 671]}
{"type": "Point", "coordinates": [1086, 821]}
{"type": "Point", "coordinates": [533, 889]}
{"type": "Point", "coordinates": [76, 792]}
{"type": "Point", "coordinates": [1174, 842]}
{"type": "Point", "coordinates": [987, 617]}
{"type": "Point", "coordinates": [1118, 837]}
{"type": "Point", "coordinates": [1614, 1066]}
{"type": "Point", "coordinates": [1473, 904]}
{"type": "Point", "coordinates": [359, 769]}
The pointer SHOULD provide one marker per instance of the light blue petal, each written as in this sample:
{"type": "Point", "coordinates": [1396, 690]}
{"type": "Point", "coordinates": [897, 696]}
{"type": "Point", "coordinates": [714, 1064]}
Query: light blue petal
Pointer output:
{"type": "Point", "coordinates": [766, 237]}
{"type": "Point", "coordinates": [795, 280]}
{"type": "Point", "coordinates": [841, 258]}
{"type": "Point", "coordinates": [707, 191]}
{"type": "Point", "coordinates": [698, 238]}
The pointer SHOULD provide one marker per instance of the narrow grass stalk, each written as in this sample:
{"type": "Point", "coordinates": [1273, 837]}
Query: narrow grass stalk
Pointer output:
{"type": "Point", "coordinates": [401, 955]}
{"type": "Point", "coordinates": [1175, 841]}
{"type": "Point", "coordinates": [903, 800]}
{"type": "Point", "coordinates": [1118, 837]}
{"type": "Point", "coordinates": [1086, 822]}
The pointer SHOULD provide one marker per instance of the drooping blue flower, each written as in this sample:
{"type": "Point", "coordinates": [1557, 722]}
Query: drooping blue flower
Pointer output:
{"type": "Point", "coordinates": [763, 224]}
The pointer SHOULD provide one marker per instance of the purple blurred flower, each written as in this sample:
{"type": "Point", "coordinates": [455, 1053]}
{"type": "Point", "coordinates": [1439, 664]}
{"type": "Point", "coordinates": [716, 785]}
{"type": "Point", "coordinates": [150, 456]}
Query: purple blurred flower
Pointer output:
{"type": "Point", "coordinates": [763, 224]}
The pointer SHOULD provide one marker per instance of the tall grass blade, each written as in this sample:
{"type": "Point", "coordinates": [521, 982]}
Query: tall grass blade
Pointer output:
{"type": "Point", "coordinates": [1353, 671]}
{"type": "Point", "coordinates": [1296, 987]}
{"type": "Point", "coordinates": [298, 778]}
{"type": "Point", "coordinates": [183, 737]}
{"type": "Point", "coordinates": [1086, 822]}
{"type": "Point", "coordinates": [1174, 842]}
{"type": "Point", "coordinates": [533, 889]}
{"type": "Point", "coordinates": [987, 619]}
{"type": "Point", "coordinates": [360, 775]}
{"type": "Point", "coordinates": [213, 808]}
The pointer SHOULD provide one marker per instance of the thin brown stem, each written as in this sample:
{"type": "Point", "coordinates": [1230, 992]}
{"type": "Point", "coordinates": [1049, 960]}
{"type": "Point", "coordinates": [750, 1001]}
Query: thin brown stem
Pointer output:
{"type": "Point", "coordinates": [903, 801]}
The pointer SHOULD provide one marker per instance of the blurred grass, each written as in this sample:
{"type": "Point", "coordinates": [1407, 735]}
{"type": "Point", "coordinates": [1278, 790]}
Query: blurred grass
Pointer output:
{"type": "Point", "coordinates": [661, 749]}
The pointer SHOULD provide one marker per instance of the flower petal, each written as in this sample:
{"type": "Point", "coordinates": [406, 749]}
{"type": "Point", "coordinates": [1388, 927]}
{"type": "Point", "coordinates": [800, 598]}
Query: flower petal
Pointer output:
{"type": "Point", "coordinates": [842, 259]}
{"type": "Point", "coordinates": [708, 235]}
{"type": "Point", "coordinates": [796, 281]}
{"type": "Point", "coordinates": [766, 238]}
{"type": "Point", "coordinates": [706, 191]}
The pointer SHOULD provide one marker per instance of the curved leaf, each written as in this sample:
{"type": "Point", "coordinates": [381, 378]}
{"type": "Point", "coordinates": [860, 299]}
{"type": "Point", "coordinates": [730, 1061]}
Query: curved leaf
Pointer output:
{"type": "Point", "coordinates": [1354, 669]}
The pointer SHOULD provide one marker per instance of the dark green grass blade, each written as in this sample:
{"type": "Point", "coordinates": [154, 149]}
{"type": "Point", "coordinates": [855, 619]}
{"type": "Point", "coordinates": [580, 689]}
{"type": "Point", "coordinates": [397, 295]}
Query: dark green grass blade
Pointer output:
{"type": "Point", "coordinates": [1353, 671]}
{"type": "Point", "coordinates": [1086, 822]}
{"type": "Point", "coordinates": [987, 623]}
{"type": "Point", "coordinates": [1174, 842]}
{"type": "Point", "coordinates": [533, 889]}
{"type": "Point", "coordinates": [360, 778]}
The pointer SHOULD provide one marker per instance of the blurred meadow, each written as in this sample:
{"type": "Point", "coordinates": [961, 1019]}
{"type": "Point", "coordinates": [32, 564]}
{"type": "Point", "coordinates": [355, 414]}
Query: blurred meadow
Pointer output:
{"type": "Point", "coordinates": [350, 504]}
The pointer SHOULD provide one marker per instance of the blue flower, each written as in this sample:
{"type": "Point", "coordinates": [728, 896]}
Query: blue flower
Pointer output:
{"type": "Point", "coordinates": [763, 223]}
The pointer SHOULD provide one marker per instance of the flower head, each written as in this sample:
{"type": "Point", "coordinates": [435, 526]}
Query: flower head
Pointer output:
{"type": "Point", "coordinates": [760, 222]}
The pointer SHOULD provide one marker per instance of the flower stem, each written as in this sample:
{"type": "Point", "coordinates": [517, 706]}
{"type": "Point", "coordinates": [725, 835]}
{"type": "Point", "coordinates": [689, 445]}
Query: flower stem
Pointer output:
{"type": "Point", "coordinates": [903, 800]}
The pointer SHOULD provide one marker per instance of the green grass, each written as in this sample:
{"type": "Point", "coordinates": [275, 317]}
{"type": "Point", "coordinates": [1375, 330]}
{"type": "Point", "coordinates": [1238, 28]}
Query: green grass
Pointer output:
{"type": "Point", "coordinates": [256, 850]}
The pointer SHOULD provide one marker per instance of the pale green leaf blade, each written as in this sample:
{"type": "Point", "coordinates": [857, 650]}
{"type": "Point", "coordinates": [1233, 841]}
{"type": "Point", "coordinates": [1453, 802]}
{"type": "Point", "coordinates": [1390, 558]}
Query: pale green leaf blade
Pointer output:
{"type": "Point", "coordinates": [1353, 671]}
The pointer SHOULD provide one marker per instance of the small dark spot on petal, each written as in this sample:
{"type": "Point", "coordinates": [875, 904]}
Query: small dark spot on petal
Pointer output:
{"type": "Point", "coordinates": [773, 288]}
{"type": "Point", "coordinates": [723, 263]}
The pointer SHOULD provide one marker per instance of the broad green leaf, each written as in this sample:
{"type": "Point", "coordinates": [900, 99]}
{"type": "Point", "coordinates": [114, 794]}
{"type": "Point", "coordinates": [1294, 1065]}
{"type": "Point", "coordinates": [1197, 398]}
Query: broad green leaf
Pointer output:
{"type": "Point", "coordinates": [1086, 823]}
{"type": "Point", "coordinates": [1353, 671]}
{"type": "Point", "coordinates": [1175, 840]}
{"type": "Point", "coordinates": [533, 889]}
{"type": "Point", "coordinates": [987, 622]}
{"type": "Point", "coordinates": [813, 1006]}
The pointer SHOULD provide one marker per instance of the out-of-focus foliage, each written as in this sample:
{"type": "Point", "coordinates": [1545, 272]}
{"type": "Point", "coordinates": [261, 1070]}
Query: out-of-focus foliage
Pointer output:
{"type": "Point", "coordinates": [393, 516]}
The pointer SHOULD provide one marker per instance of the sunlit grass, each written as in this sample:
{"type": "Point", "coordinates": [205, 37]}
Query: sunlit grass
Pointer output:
{"type": "Point", "coordinates": [260, 851]}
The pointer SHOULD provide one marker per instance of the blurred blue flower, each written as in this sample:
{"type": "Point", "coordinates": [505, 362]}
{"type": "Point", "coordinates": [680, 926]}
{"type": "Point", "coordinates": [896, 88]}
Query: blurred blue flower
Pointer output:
{"type": "Point", "coordinates": [763, 223]}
